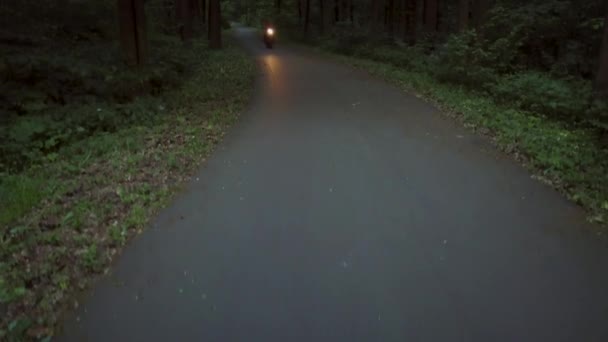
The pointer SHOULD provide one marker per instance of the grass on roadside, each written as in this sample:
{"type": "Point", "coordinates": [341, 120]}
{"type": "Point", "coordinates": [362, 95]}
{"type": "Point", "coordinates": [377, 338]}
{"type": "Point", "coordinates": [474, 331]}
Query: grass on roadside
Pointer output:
{"type": "Point", "coordinates": [94, 195]}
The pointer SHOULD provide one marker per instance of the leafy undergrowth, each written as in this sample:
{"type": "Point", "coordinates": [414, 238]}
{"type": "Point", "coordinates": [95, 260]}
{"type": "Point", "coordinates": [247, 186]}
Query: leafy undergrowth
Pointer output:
{"type": "Point", "coordinates": [93, 195]}
{"type": "Point", "coordinates": [567, 157]}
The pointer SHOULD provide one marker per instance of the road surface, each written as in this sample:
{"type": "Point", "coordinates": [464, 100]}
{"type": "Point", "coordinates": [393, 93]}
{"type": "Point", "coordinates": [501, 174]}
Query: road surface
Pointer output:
{"type": "Point", "coordinates": [342, 209]}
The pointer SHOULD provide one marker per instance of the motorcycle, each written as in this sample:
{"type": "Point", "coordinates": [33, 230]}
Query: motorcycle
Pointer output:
{"type": "Point", "coordinates": [269, 37]}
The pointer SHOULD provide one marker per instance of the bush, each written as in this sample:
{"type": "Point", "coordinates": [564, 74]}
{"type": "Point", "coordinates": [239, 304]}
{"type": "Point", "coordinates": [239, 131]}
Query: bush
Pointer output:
{"type": "Point", "coordinates": [346, 39]}
{"type": "Point", "coordinates": [409, 58]}
{"type": "Point", "coordinates": [463, 60]}
{"type": "Point", "coordinates": [539, 92]}
{"type": "Point", "coordinates": [33, 139]}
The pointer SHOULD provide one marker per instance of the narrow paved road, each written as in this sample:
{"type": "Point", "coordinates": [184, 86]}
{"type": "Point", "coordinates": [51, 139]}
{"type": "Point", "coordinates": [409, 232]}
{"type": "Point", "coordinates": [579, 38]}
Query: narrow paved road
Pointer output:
{"type": "Point", "coordinates": [341, 209]}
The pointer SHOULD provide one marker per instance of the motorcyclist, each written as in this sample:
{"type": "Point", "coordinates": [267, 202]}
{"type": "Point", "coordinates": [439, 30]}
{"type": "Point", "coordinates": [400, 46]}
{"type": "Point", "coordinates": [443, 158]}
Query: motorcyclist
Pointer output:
{"type": "Point", "coordinates": [269, 33]}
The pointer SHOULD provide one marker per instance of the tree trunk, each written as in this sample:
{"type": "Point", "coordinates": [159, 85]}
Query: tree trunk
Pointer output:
{"type": "Point", "coordinates": [411, 16]}
{"type": "Point", "coordinates": [277, 5]}
{"type": "Point", "coordinates": [463, 14]}
{"type": "Point", "coordinates": [404, 19]}
{"type": "Point", "coordinates": [338, 9]}
{"type": "Point", "coordinates": [480, 9]}
{"type": "Point", "coordinates": [196, 8]}
{"type": "Point", "coordinates": [602, 74]}
{"type": "Point", "coordinates": [183, 11]}
{"type": "Point", "coordinates": [377, 15]}
{"type": "Point", "coordinates": [132, 22]}
{"type": "Point", "coordinates": [430, 15]}
{"type": "Point", "coordinates": [306, 16]}
{"type": "Point", "coordinates": [195, 5]}
{"type": "Point", "coordinates": [420, 19]}
{"type": "Point", "coordinates": [321, 17]}
{"type": "Point", "coordinates": [299, 2]}
{"type": "Point", "coordinates": [204, 11]}
{"type": "Point", "coordinates": [390, 17]}
{"type": "Point", "coordinates": [328, 14]}
{"type": "Point", "coordinates": [215, 24]}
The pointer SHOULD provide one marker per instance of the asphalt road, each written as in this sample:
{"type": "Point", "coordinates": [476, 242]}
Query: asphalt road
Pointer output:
{"type": "Point", "coordinates": [341, 209]}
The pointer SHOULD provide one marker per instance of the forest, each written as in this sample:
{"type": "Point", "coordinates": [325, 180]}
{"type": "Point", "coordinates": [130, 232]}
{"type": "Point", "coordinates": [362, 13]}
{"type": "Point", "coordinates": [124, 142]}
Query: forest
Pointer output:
{"type": "Point", "coordinates": [107, 107]}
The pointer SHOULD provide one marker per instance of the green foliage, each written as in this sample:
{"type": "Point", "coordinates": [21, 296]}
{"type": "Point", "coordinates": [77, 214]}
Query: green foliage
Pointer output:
{"type": "Point", "coordinates": [90, 257]}
{"type": "Point", "coordinates": [345, 39]}
{"type": "Point", "coordinates": [34, 139]}
{"type": "Point", "coordinates": [561, 36]}
{"type": "Point", "coordinates": [463, 60]}
{"type": "Point", "coordinates": [540, 93]}
{"type": "Point", "coordinates": [19, 194]}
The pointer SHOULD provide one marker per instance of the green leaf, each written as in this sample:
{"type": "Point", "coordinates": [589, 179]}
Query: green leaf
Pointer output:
{"type": "Point", "coordinates": [67, 217]}
{"type": "Point", "coordinates": [12, 325]}
{"type": "Point", "coordinates": [19, 291]}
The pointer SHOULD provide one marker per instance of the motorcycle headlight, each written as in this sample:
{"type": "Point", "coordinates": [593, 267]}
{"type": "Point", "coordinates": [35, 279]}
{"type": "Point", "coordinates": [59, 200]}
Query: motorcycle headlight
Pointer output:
{"type": "Point", "coordinates": [270, 32]}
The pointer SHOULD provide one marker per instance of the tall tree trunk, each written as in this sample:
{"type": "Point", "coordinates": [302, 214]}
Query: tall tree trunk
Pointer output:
{"type": "Point", "coordinates": [168, 8]}
{"type": "Point", "coordinates": [306, 16]}
{"type": "Point", "coordinates": [602, 74]}
{"type": "Point", "coordinates": [420, 18]}
{"type": "Point", "coordinates": [277, 6]}
{"type": "Point", "coordinates": [464, 12]}
{"type": "Point", "coordinates": [204, 11]}
{"type": "Point", "coordinates": [195, 5]}
{"type": "Point", "coordinates": [215, 24]}
{"type": "Point", "coordinates": [430, 15]}
{"type": "Point", "coordinates": [344, 11]}
{"type": "Point", "coordinates": [390, 17]}
{"type": "Point", "coordinates": [377, 15]}
{"type": "Point", "coordinates": [404, 19]}
{"type": "Point", "coordinates": [336, 11]}
{"type": "Point", "coordinates": [196, 8]}
{"type": "Point", "coordinates": [350, 7]}
{"type": "Point", "coordinates": [322, 16]}
{"type": "Point", "coordinates": [479, 11]}
{"type": "Point", "coordinates": [299, 3]}
{"type": "Point", "coordinates": [132, 23]}
{"type": "Point", "coordinates": [411, 16]}
{"type": "Point", "coordinates": [328, 15]}
{"type": "Point", "coordinates": [183, 11]}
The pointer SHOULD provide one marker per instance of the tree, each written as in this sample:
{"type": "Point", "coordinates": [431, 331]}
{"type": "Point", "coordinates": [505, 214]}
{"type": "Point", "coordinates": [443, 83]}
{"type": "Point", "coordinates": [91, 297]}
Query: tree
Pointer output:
{"type": "Point", "coordinates": [378, 13]}
{"type": "Point", "coordinates": [409, 30]}
{"type": "Point", "coordinates": [390, 17]}
{"type": "Point", "coordinates": [306, 15]}
{"type": "Point", "coordinates": [602, 74]}
{"type": "Point", "coordinates": [185, 18]}
{"type": "Point", "coordinates": [204, 11]}
{"type": "Point", "coordinates": [132, 23]}
{"type": "Point", "coordinates": [464, 10]}
{"type": "Point", "coordinates": [480, 9]}
{"type": "Point", "coordinates": [215, 24]}
{"type": "Point", "coordinates": [431, 9]}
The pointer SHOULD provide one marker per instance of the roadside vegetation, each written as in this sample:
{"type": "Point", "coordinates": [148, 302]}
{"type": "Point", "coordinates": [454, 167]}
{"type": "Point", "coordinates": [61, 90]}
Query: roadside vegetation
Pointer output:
{"type": "Point", "coordinates": [91, 148]}
{"type": "Point", "coordinates": [532, 75]}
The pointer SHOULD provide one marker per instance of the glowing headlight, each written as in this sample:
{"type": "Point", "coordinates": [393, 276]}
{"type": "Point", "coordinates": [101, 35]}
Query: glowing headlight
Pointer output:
{"type": "Point", "coordinates": [270, 32]}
